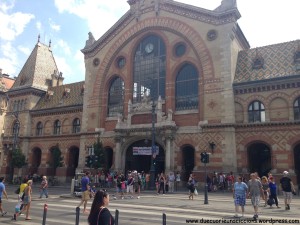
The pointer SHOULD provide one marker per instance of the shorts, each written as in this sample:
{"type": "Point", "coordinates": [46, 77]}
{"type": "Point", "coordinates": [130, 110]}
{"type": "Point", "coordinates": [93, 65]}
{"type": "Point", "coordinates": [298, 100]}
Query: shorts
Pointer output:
{"type": "Point", "coordinates": [240, 200]}
{"type": "Point", "coordinates": [85, 195]}
{"type": "Point", "coordinates": [130, 189]}
{"type": "Point", "coordinates": [287, 195]}
{"type": "Point", "coordinates": [255, 200]}
{"type": "Point", "coordinates": [26, 200]}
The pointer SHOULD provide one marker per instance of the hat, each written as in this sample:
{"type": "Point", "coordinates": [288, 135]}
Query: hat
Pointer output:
{"type": "Point", "coordinates": [285, 172]}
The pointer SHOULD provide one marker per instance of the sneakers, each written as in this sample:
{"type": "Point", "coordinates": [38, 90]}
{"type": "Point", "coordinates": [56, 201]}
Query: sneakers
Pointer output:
{"type": "Point", "coordinates": [255, 216]}
{"type": "Point", "coordinates": [4, 213]}
{"type": "Point", "coordinates": [115, 198]}
{"type": "Point", "coordinates": [236, 215]}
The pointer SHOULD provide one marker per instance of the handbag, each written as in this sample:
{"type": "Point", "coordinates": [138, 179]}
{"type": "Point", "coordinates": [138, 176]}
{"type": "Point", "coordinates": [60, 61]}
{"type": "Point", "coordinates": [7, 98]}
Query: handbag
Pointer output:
{"type": "Point", "coordinates": [17, 191]}
{"type": "Point", "coordinates": [270, 201]}
{"type": "Point", "coordinates": [195, 192]}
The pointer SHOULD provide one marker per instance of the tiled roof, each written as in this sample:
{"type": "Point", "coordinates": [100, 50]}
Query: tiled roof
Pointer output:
{"type": "Point", "coordinates": [38, 69]}
{"type": "Point", "coordinates": [62, 96]}
{"type": "Point", "coordinates": [6, 83]}
{"type": "Point", "coordinates": [277, 61]}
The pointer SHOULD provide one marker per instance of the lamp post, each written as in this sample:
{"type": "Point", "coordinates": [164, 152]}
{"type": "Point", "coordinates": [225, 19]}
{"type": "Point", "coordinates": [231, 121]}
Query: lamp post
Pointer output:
{"type": "Point", "coordinates": [16, 128]}
{"type": "Point", "coordinates": [153, 149]}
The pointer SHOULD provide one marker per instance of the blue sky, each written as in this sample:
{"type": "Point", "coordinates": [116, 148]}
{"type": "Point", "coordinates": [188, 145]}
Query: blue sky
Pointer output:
{"type": "Point", "coordinates": [67, 23]}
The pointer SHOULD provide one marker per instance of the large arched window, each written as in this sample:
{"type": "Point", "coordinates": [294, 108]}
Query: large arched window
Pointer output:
{"type": "Point", "coordinates": [187, 88]}
{"type": "Point", "coordinates": [116, 97]}
{"type": "Point", "coordinates": [57, 127]}
{"type": "Point", "coordinates": [39, 129]}
{"type": "Point", "coordinates": [297, 109]}
{"type": "Point", "coordinates": [76, 126]}
{"type": "Point", "coordinates": [149, 70]}
{"type": "Point", "coordinates": [256, 112]}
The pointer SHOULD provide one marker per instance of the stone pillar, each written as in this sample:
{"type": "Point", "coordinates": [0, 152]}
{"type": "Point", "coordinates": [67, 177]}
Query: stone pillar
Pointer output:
{"type": "Point", "coordinates": [118, 157]}
{"type": "Point", "coordinates": [168, 156]}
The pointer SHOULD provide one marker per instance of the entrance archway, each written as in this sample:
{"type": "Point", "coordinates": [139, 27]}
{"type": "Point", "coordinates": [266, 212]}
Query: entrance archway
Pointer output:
{"type": "Point", "coordinates": [109, 157]}
{"type": "Point", "coordinates": [259, 156]}
{"type": "Point", "coordinates": [35, 160]}
{"type": "Point", "coordinates": [297, 162]}
{"type": "Point", "coordinates": [141, 162]}
{"type": "Point", "coordinates": [188, 161]}
{"type": "Point", "coordinates": [73, 156]}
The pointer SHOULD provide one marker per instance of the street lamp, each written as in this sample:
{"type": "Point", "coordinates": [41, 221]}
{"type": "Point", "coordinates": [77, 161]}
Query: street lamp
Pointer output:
{"type": "Point", "coordinates": [153, 149]}
{"type": "Point", "coordinates": [16, 128]}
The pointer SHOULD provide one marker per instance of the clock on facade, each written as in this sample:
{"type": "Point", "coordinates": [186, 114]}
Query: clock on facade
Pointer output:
{"type": "Point", "coordinates": [149, 48]}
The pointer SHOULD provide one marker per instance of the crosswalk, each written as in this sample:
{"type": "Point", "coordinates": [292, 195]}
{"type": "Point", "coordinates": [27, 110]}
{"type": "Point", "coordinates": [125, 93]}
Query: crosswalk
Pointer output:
{"type": "Point", "coordinates": [147, 210]}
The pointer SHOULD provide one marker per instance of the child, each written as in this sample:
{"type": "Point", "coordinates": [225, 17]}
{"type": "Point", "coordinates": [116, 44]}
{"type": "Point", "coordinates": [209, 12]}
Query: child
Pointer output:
{"type": "Point", "coordinates": [273, 192]}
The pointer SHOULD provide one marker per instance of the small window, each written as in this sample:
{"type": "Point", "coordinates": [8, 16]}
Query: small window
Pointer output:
{"type": "Point", "coordinates": [76, 126]}
{"type": "Point", "coordinates": [180, 50]}
{"type": "Point", "coordinates": [57, 127]}
{"type": "Point", "coordinates": [256, 112]}
{"type": "Point", "coordinates": [121, 62]}
{"type": "Point", "coordinates": [39, 129]}
{"type": "Point", "coordinates": [297, 109]}
{"type": "Point", "coordinates": [16, 128]}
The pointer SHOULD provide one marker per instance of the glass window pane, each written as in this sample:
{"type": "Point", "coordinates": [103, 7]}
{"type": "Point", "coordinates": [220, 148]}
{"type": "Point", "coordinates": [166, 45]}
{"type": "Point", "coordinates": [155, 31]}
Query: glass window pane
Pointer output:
{"type": "Point", "coordinates": [116, 97]}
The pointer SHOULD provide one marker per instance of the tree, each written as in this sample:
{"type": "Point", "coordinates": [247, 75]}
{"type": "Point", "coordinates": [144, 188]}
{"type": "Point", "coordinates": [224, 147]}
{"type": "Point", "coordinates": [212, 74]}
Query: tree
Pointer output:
{"type": "Point", "coordinates": [99, 160]}
{"type": "Point", "coordinates": [18, 158]}
{"type": "Point", "coordinates": [57, 159]}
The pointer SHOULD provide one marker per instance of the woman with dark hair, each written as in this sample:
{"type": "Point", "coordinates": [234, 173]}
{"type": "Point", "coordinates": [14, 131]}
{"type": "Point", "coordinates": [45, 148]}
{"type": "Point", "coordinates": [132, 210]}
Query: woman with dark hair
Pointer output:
{"type": "Point", "coordinates": [100, 215]}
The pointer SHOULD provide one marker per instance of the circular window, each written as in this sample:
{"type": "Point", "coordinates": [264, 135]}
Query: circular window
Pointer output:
{"type": "Point", "coordinates": [180, 49]}
{"type": "Point", "coordinates": [121, 62]}
{"type": "Point", "coordinates": [212, 35]}
{"type": "Point", "coordinates": [96, 61]}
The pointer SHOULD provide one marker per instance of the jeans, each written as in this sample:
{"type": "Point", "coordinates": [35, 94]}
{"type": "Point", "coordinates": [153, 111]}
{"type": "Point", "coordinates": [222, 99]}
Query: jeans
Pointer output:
{"type": "Point", "coordinates": [44, 191]}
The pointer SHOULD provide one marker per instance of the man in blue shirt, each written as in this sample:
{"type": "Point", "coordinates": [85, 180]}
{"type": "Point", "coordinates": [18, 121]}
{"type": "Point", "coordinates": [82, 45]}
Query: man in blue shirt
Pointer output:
{"type": "Point", "coordinates": [85, 190]}
{"type": "Point", "coordinates": [2, 192]}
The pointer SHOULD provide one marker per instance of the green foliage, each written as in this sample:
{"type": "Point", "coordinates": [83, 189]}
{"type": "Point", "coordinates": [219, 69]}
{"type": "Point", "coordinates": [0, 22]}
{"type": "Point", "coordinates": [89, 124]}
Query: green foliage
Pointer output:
{"type": "Point", "coordinates": [18, 158]}
{"type": "Point", "coordinates": [100, 156]}
{"type": "Point", "coordinates": [57, 159]}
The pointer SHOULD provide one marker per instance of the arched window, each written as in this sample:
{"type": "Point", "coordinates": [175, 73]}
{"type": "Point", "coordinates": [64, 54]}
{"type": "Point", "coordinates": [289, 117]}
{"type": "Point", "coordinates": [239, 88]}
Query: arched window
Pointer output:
{"type": "Point", "coordinates": [39, 129]}
{"type": "Point", "coordinates": [256, 112]}
{"type": "Point", "coordinates": [297, 109]}
{"type": "Point", "coordinates": [116, 97]}
{"type": "Point", "coordinates": [57, 127]}
{"type": "Point", "coordinates": [187, 88]}
{"type": "Point", "coordinates": [76, 126]}
{"type": "Point", "coordinates": [149, 70]}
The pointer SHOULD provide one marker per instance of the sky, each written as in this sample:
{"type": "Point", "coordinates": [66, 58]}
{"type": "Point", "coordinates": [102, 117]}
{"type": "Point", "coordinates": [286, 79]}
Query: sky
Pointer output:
{"type": "Point", "coordinates": [67, 23]}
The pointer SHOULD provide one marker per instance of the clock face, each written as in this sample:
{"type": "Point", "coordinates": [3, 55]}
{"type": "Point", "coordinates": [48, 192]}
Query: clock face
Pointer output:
{"type": "Point", "coordinates": [149, 48]}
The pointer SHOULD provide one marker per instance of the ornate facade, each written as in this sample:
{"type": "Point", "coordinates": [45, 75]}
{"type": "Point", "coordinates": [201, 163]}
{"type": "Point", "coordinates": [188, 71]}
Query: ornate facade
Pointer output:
{"type": "Point", "coordinates": [186, 70]}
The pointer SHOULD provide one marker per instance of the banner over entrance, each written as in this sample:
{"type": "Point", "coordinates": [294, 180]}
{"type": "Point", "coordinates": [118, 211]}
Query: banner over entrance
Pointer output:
{"type": "Point", "coordinates": [145, 150]}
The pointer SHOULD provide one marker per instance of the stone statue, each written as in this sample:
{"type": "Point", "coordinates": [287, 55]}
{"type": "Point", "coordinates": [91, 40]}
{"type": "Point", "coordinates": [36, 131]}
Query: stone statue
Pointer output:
{"type": "Point", "coordinates": [90, 41]}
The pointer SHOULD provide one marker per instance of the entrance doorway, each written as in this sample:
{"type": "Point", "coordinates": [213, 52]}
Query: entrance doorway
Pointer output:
{"type": "Point", "coordinates": [259, 156]}
{"type": "Point", "coordinates": [73, 157]}
{"type": "Point", "coordinates": [188, 161]}
{"type": "Point", "coordinates": [109, 157]}
{"type": "Point", "coordinates": [297, 162]}
{"type": "Point", "coordinates": [35, 160]}
{"type": "Point", "coordinates": [143, 162]}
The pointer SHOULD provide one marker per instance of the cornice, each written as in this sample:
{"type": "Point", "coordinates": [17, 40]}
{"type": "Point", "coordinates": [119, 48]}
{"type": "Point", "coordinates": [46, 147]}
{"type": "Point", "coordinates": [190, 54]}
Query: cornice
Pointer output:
{"type": "Point", "coordinates": [273, 84]}
{"type": "Point", "coordinates": [56, 111]}
{"type": "Point", "coordinates": [25, 91]}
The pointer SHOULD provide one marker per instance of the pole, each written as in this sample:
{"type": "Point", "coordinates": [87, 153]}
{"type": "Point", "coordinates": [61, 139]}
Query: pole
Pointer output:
{"type": "Point", "coordinates": [206, 186]}
{"type": "Point", "coordinates": [153, 148]}
{"type": "Point", "coordinates": [77, 215]}
{"type": "Point", "coordinates": [16, 132]}
{"type": "Point", "coordinates": [164, 219]}
{"type": "Point", "coordinates": [45, 214]}
{"type": "Point", "coordinates": [117, 217]}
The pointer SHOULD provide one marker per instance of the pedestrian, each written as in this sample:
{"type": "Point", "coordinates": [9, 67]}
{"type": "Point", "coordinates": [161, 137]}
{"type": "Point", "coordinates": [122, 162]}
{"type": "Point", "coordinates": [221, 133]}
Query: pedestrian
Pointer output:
{"type": "Point", "coordinates": [171, 182]}
{"type": "Point", "coordinates": [273, 192]}
{"type": "Point", "coordinates": [254, 192]}
{"type": "Point", "coordinates": [23, 185]}
{"type": "Point", "coordinates": [147, 179]}
{"type": "Point", "coordinates": [265, 187]}
{"type": "Point", "coordinates": [2, 192]}
{"type": "Point", "coordinates": [191, 186]}
{"type": "Point", "coordinates": [26, 202]}
{"type": "Point", "coordinates": [44, 187]}
{"type": "Point", "coordinates": [130, 182]}
{"type": "Point", "coordinates": [287, 187]}
{"type": "Point", "coordinates": [178, 180]}
{"type": "Point", "coordinates": [162, 182]}
{"type": "Point", "coordinates": [100, 214]}
{"type": "Point", "coordinates": [239, 194]}
{"type": "Point", "coordinates": [85, 191]}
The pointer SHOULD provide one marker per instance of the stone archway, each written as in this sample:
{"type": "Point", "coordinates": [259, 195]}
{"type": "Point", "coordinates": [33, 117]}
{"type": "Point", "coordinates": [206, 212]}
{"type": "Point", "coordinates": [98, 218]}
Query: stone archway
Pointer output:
{"type": "Point", "coordinates": [72, 163]}
{"type": "Point", "coordinates": [142, 162]}
{"type": "Point", "coordinates": [259, 159]}
{"type": "Point", "coordinates": [188, 161]}
{"type": "Point", "coordinates": [35, 160]}
{"type": "Point", "coordinates": [109, 157]}
{"type": "Point", "coordinates": [297, 162]}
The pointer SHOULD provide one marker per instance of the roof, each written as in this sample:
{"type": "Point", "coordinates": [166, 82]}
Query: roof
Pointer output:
{"type": "Point", "coordinates": [62, 96]}
{"type": "Point", "coordinates": [38, 69]}
{"type": "Point", "coordinates": [6, 82]}
{"type": "Point", "coordinates": [274, 61]}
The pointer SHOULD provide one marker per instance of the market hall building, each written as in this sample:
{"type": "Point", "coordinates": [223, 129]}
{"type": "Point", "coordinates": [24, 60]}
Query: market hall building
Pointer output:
{"type": "Point", "coordinates": [186, 70]}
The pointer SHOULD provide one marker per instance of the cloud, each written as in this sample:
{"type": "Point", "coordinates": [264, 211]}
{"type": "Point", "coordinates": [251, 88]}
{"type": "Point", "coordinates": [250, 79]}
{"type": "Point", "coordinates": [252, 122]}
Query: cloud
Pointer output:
{"type": "Point", "coordinates": [38, 26]}
{"type": "Point", "coordinates": [63, 47]}
{"type": "Point", "coordinates": [9, 61]}
{"type": "Point", "coordinates": [63, 66]}
{"type": "Point", "coordinates": [13, 25]}
{"type": "Point", "coordinates": [5, 6]}
{"type": "Point", "coordinates": [54, 26]}
{"type": "Point", "coordinates": [24, 50]}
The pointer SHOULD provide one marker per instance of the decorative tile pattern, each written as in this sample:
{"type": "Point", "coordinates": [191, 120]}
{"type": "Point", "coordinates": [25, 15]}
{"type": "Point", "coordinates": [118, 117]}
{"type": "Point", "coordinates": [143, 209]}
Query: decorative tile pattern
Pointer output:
{"type": "Point", "coordinates": [278, 62]}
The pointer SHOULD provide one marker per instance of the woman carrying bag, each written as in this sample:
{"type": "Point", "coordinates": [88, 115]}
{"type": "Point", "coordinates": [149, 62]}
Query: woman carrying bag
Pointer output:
{"type": "Point", "coordinates": [100, 215]}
